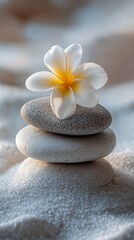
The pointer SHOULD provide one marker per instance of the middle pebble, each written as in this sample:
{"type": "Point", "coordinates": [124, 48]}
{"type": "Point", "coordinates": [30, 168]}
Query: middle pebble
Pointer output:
{"type": "Point", "coordinates": [42, 145]}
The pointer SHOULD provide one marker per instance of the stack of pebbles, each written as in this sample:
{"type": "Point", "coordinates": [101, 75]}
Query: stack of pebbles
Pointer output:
{"type": "Point", "coordinates": [83, 137]}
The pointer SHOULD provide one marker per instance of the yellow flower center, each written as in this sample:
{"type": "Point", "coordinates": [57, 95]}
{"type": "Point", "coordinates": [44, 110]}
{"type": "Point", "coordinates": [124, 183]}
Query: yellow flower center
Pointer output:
{"type": "Point", "coordinates": [67, 79]}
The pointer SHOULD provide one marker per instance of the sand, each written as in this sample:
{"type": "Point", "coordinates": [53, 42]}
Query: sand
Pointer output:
{"type": "Point", "coordinates": [65, 207]}
{"type": "Point", "coordinates": [37, 204]}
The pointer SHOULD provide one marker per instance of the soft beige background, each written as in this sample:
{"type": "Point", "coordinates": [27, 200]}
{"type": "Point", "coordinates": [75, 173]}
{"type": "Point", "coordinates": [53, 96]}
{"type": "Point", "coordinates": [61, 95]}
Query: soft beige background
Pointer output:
{"type": "Point", "coordinates": [29, 28]}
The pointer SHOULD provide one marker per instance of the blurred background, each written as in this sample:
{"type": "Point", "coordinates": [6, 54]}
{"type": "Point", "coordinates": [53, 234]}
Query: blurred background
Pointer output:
{"type": "Point", "coordinates": [28, 28]}
{"type": "Point", "coordinates": [104, 28]}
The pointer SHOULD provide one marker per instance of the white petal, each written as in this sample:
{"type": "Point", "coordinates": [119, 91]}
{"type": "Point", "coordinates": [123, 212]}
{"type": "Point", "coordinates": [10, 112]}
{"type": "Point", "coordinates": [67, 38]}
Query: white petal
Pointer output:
{"type": "Point", "coordinates": [92, 73]}
{"type": "Point", "coordinates": [42, 81]}
{"type": "Point", "coordinates": [62, 102]}
{"type": "Point", "coordinates": [73, 55]}
{"type": "Point", "coordinates": [55, 60]}
{"type": "Point", "coordinates": [85, 94]}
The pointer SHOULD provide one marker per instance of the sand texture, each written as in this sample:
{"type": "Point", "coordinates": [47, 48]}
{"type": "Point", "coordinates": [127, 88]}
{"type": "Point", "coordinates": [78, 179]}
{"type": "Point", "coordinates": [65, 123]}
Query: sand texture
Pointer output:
{"type": "Point", "coordinates": [39, 201]}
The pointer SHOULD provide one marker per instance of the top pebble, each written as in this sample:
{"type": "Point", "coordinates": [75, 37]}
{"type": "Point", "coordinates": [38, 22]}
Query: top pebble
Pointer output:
{"type": "Point", "coordinates": [85, 121]}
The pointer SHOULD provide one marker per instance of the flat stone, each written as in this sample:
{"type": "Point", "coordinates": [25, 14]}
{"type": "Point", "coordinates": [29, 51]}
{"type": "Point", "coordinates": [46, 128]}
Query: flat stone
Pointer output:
{"type": "Point", "coordinates": [85, 121]}
{"type": "Point", "coordinates": [49, 147]}
{"type": "Point", "coordinates": [93, 174]}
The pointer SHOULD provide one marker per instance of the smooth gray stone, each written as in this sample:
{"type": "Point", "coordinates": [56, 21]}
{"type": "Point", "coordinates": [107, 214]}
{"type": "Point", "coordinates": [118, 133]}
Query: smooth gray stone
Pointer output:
{"type": "Point", "coordinates": [41, 145]}
{"type": "Point", "coordinates": [85, 121]}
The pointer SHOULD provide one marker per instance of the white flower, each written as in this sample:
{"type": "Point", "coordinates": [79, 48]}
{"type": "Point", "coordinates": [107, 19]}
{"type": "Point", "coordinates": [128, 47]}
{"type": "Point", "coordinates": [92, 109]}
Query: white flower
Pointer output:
{"type": "Point", "coordinates": [69, 83]}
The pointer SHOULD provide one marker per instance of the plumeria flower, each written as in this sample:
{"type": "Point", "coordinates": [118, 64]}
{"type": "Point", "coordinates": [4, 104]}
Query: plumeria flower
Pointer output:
{"type": "Point", "coordinates": [68, 82]}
